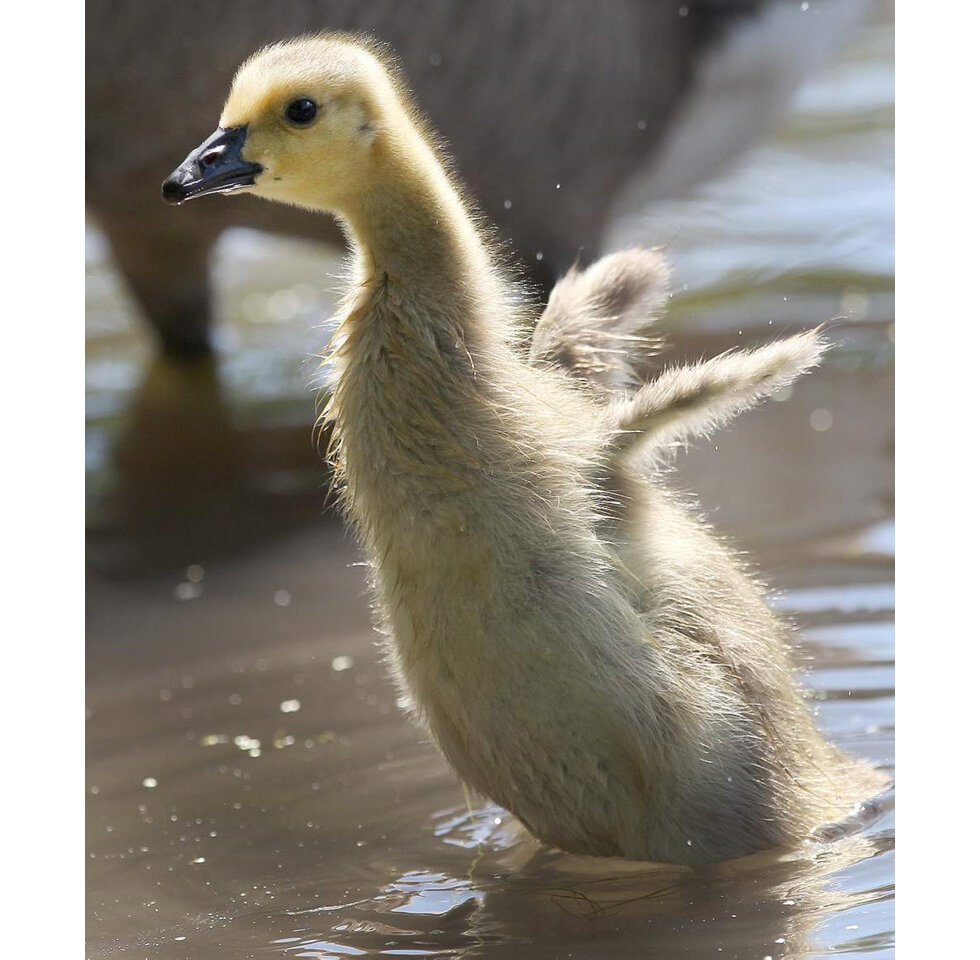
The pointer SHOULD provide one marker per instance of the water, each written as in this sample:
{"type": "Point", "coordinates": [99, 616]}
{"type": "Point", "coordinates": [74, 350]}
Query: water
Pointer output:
{"type": "Point", "coordinates": [253, 790]}
{"type": "Point", "coordinates": [296, 813]}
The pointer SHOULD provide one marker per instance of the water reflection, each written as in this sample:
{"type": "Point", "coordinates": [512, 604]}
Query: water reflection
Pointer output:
{"type": "Point", "coordinates": [182, 475]}
{"type": "Point", "coordinates": [773, 903]}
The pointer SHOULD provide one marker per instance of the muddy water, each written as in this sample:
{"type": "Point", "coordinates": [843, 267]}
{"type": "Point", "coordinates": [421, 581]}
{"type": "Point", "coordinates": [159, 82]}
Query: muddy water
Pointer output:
{"type": "Point", "coordinates": [253, 790]}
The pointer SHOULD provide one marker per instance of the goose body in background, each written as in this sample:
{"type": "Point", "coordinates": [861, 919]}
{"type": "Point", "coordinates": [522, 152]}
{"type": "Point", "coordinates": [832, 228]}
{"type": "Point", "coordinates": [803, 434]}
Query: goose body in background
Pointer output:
{"type": "Point", "coordinates": [580, 646]}
{"type": "Point", "coordinates": [591, 95]}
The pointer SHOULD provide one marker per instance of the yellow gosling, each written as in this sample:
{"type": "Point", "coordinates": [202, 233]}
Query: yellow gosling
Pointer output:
{"type": "Point", "coordinates": [581, 647]}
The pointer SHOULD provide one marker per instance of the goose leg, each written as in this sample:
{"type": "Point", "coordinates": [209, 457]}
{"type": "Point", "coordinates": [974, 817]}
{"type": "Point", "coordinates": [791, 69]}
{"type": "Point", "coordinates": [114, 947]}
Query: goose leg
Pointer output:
{"type": "Point", "coordinates": [166, 270]}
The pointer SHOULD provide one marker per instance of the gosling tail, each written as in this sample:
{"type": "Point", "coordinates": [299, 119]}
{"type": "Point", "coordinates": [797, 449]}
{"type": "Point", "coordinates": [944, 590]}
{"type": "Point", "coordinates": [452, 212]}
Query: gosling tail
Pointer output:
{"type": "Point", "coordinates": [689, 401]}
{"type": "Point", "coordinates": [599, 322]}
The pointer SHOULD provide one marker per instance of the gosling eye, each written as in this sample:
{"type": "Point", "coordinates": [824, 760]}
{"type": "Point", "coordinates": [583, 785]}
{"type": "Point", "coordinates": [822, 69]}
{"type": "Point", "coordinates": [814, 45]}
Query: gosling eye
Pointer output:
{"type": "Point", "coordinates": [301, 112]}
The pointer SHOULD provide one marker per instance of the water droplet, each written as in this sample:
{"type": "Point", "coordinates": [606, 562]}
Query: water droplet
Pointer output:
{"type": "Point", "coordinates": [187, 590]}
{"type": "Point", "coordinates": [855, 303]}
{"type": "Point", "coordinates": [783, 393]}
{"type": "Point", "coordinates": [283, 305]}
{"type": "Point", "coordinates": [283, 598]}
{"type": "Point", "coordinates": [194, 573]}
{"type": "Point", "coordinates": [508, 204]}
{"type": "Point", "coordinates": [291, 706]}
{"type": "Point", "coordinates": [539, 256]}
{"type": "Point", "coordinates": [342, 663]}
{"type": "Point", "coordinates": [149, 782]}
{"type": "Point", "coordinates": [821, 420]}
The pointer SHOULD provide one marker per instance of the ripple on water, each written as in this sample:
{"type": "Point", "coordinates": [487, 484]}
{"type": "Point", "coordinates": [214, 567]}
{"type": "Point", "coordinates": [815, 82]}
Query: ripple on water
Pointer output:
{"type": "Point", "coordinates": [486, 825]}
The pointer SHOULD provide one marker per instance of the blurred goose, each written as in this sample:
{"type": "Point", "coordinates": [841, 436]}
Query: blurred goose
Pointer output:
{"type": "Point", "coordinates": [582, 649]}
{"type": "Point", "coordinates": [652, 93]}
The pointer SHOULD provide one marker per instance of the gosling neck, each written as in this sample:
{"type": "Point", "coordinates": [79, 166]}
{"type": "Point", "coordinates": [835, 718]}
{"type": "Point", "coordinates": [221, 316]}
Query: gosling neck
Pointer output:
{"type": "Point", "coordinates": [410, 227]}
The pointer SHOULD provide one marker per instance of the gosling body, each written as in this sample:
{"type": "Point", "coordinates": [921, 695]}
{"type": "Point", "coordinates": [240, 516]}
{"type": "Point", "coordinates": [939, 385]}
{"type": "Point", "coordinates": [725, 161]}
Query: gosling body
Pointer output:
{"type": "Point", "coordinates": [583, 650]}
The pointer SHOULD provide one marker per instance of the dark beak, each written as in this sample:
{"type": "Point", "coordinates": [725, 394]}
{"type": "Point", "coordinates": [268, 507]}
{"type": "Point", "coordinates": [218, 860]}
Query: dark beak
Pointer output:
{"type": "Point", "coordinates": [216, 166]}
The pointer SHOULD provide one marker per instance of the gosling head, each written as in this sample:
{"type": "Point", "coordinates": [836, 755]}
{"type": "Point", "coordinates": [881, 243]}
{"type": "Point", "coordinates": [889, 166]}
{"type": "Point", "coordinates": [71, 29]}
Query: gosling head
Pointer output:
{"type": "Point", "coordinates": [301, 126]}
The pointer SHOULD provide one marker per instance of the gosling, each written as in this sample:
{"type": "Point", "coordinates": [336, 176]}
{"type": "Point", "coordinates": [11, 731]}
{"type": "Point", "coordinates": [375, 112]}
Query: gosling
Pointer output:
{"type": "Point", "coordinates": [581, 647]}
